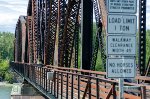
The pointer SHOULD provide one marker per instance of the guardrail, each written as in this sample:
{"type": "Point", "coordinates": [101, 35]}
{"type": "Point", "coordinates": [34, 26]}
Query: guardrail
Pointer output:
{"type": "Point", "coordinates": [74, 83]}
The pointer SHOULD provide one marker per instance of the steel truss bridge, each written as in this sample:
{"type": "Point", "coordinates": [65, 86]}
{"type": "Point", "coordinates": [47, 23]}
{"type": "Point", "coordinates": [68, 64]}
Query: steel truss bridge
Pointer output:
{"type": "Point", "coordinates": [49, 39]}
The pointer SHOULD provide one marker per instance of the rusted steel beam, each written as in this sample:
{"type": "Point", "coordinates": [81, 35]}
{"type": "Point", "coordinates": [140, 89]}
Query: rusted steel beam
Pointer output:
{"type": "Point", "coordinates": [30, 39]}
{"type": "Point", "coordinates": [61, 22]}
{"type": "Point", "coordinates": [43, 27]}
{"type": "Point", "coordinates": [109, 93]}
{"type": "Point", "coordinates": [23, 36]}
{"type": "Point", "coordinates": [39, 35]}
{"type": "Point", "coordinates": [51, 35]}
{"type": "Point", "coordinates": [35, 30]}
{"type": "Point", "coordinates": [71, 20]}
{"type": "Point", "coordinates": [103, 10]}
{"type": "Point", "coordinates": [18, 45]}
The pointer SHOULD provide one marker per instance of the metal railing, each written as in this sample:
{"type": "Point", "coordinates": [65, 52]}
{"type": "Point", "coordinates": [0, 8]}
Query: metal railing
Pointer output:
{"type": "Point", "coordinates": [73, 83]}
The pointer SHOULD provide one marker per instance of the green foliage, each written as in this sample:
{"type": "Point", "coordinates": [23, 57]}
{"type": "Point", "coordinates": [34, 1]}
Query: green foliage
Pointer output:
{"type": "Point", "coordinates": [99, 65]}
{"type": "Point", "coordinates": [9, 77]}
{"type": "Point", "coordinates": [147, 45]}
{"type": "Point", "coordinates": [4, 67]}
{"type": "Point", "coordinates": [6, 54]}
{"type": "Point", "coordinates": [6, 46]}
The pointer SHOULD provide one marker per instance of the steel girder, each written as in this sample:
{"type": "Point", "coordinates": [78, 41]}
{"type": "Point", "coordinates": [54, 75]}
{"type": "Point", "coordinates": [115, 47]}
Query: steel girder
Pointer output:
{"type": "Point", "coordinates": [51, 35]}
{"type": "Point", "coordinates": [76, 44]}
{"type": "Point", "coordinates": [142, 36]}
{"type": "Point", "coordinates": [17, 42]}
{"type": "Point", "coordinates": [61, 22]}
{"type": "Point", "coordinates": [20, 40]}
{"type": "Point", "coordinates": [35, 29]}
{"type": "Point", "coordinates": [43, 28]}
{"type": "Point", "coordinates": [67, 42]}
{"type": "Point", "coordinates": [30, 39]}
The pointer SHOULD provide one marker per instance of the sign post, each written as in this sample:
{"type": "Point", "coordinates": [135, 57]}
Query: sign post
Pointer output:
{"type": "Point", "coordinates": [121, 40]}
{"type": "Point", "coordinates": [121, 88]}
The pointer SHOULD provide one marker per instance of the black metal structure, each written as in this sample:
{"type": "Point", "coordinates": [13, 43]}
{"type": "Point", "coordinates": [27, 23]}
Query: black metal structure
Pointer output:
{"type": "Point", "coordinates": [87, 27]}
{"type": "Point", "coordinates": [142, 36]}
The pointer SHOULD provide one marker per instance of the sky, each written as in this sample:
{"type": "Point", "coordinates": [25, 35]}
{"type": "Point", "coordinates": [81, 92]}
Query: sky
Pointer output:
{"type": "Point", "coordinates": [10, 10]}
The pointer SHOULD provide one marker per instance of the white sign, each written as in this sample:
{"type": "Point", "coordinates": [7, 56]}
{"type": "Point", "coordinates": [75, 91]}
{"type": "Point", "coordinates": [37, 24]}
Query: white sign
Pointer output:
{"type": "Point", "coordinates": [120, 68]}
{"type": "Point", "coordinates": [121, 45]}
{"type": "Point", "coordinates": [121, 24]}
{"type": "Point", "coordinates": [122, 6]}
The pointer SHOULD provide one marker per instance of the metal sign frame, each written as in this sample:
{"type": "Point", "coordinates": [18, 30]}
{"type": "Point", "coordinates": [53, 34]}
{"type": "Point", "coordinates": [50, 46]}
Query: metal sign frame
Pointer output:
{"type": "Point", "coordinates": [108, 76]}
{"type": "Point", "coordinates": [121, 11]}
{"type": "Point", "coordinates": [124, 33]}
{"type": "Point", "coordinates": [107, 47]}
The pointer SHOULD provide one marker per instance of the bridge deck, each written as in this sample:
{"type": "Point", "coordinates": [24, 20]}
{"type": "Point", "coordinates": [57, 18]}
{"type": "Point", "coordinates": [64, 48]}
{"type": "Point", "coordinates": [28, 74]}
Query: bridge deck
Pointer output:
{"type": "Point", "coordinates": [74, 83]}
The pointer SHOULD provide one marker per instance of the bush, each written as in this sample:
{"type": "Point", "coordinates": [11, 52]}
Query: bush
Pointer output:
{"type": "Point", "coordinates": [4, 65]}
{"type": "Point", "coordinates": [9, 77]}
{"type": "Point", "coordinates": [4, 71]}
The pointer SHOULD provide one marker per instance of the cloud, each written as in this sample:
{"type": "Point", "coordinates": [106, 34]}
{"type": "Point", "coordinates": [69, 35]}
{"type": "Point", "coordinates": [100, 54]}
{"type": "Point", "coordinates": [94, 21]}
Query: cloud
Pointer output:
{"type": "Point", "coordinates": [10, 11]}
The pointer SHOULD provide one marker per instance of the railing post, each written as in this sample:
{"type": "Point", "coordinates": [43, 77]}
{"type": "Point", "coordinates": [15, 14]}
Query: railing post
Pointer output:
{"type": "Point", "coordinates": [40, 77]}
{"type": "Point", "coordinates": [78, 86]}
{"type": "Point", "coordinates": [114, 90]}
{"type": "Point", "coordinates": [44, 72]}
{"type": "Point", "coordinates": [89, 86]}
{"type": "Point", "coordinates": [57, 84]}
{"type": "Point", "coordinates": [67, 86]}
{"type": "Point", "coordinates": [46, 79]}
{"type": "Point", "coordinates": [61, 85]}
{"type": "Point", "coordinates": [97, 88]}
{"type": "Point", "coordinates": [143, 92]}
{"type": "Point", "coordinates": [72, 86]}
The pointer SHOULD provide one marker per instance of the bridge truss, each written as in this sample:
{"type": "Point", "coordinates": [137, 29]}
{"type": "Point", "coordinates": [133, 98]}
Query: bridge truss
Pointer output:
{"type": "Point", "coordinates": [50, 35]}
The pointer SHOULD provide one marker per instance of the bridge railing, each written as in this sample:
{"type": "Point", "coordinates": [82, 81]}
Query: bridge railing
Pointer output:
{"type": "Point", "coordinates": [73, 83]}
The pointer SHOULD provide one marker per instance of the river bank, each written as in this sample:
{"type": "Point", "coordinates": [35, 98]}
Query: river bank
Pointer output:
{"type": "Point", "coordinates": [6, 84]}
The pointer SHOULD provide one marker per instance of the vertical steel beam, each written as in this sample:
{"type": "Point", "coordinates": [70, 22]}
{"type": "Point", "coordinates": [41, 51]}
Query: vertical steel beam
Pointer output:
{"type": "Point", "coordinates": [86, 30]}
{"type": "Point", "coordinates": [61, 13]}
{"type": "Point", "coordinates": [76, 43]}
{"type": "Point", "coordinates": [142, 36]}
{"type": "Point", "coordinates": [35, 29]}
{"type": "Point", "coordinates": [30, 39]}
